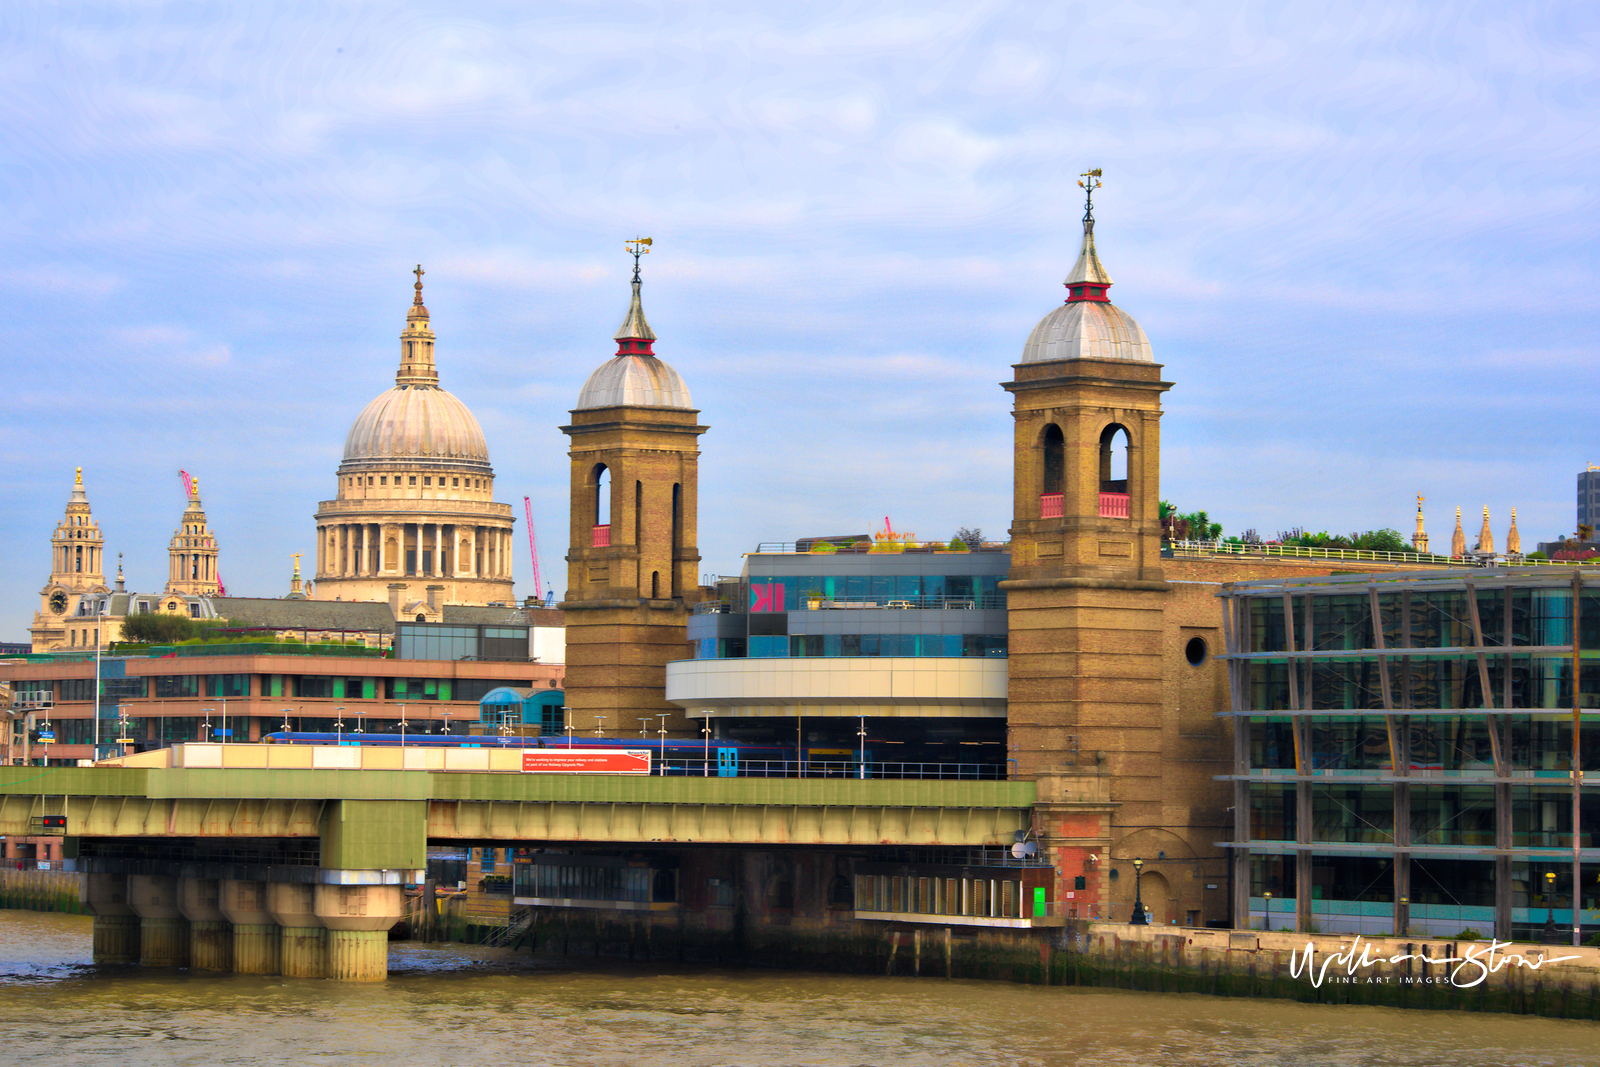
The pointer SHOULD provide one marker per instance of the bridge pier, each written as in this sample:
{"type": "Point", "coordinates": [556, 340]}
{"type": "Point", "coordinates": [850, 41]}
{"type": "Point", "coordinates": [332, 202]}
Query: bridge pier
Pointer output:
{"type": "Point", "coordinates": [210, 935]}
{"type": "Point", "coordinates": [257, 945]}
{"type": "Point", "coordinates": [358, 918]}
{"type": "Point", "coordinates": [163, 931]}
{"type": "Point", "coordinates": [302, 939]}
{"type": "Point", "coordinates": [116, 925]}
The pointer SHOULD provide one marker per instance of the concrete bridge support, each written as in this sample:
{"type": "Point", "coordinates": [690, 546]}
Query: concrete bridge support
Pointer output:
{"type": "Point", "coordinates": [302, 939]}
{"type": "Point", "coordinates": [163, 931]}
{"type": "Point", "coordinates": [358, 918]}
{"type": "Point", "coordinates": [210, 933]}
{"type": "Point", "coordinates": [116, 924]}
{"type": "Point", "coordinates": [257, 947]}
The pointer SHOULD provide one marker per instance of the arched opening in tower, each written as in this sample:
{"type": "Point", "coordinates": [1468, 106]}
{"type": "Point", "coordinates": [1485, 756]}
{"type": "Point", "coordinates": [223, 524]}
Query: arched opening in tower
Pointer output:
{"type": "Point", "coordinates": [602, 507]}
{"type": "Point", "coordinates": [1052, 486]}
{"type": "Point", "coordinates": [1114, 447]}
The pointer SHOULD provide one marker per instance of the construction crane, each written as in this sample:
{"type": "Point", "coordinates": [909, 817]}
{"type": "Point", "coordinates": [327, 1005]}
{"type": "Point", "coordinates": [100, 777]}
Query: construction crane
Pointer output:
{"type": "Point", "coordinates": [188, 494]}
{"type": "Point", "coordinates": [533, 549]}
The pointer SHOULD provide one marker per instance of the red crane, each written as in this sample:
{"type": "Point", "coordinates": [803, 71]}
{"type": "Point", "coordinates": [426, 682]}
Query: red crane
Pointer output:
{"type": "Point", "coordinates": [533, 550]}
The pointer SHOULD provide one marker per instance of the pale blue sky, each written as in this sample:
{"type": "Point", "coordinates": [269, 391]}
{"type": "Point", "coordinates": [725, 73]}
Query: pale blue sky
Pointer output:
{"type": "Point", "coordinates": [1361, 238]}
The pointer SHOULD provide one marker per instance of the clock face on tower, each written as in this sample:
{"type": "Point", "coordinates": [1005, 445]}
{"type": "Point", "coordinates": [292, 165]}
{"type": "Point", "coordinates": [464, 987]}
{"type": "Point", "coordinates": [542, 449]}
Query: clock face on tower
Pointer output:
{"type": "Point", "coordinates": [58, 602]}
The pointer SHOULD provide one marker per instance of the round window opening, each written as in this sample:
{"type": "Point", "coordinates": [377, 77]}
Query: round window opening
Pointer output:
{"type": "Point", "coordinates": [1195, 651]}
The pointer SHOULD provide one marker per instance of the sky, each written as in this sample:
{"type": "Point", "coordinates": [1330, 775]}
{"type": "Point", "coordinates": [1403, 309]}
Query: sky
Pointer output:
{"type": "Point", "coordinates": [1361, 238]}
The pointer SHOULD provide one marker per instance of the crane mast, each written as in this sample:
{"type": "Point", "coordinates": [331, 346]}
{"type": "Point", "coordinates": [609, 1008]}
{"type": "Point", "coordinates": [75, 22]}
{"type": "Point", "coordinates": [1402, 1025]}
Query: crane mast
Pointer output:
{"type": "Point", "coordinates": [533, 550]}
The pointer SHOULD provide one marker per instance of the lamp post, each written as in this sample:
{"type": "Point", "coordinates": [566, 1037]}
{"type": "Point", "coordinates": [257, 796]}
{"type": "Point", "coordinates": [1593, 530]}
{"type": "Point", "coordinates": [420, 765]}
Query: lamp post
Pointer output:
{"type": "Point", "coordinates": [861, 764]}
{"type": "Point", "coordinates": [1266, 920]}
{"type": "Point", "coordinates": [338, 724]}
{"type": "Point", "coordinates": [205, 725]}
{"type": "Point", "coordinates": [402, 726]}
{"type": "Point", "coordinates": [286, 726]}
{"type": "Point", "coordinates": [1548, 934]}
{"type": "Point", "coordinates": [1138, 918]}
{"type": "Point", "coordinates": [662, 751]}
{"type": "Point", "coordinates": [705, 730]}
{"type": "Point", "coordinates": [1404, 922]}
{"type": "Point", "coordinates": [599, 725]}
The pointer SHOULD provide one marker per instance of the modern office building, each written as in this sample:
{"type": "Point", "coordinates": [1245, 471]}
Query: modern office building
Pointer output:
{"type": "Point", "coordinates": [893, 651]}
{"type": "Point", "coordinates": [1589, 498]}
{"type": "Point", "coordinates": [1403, 751]}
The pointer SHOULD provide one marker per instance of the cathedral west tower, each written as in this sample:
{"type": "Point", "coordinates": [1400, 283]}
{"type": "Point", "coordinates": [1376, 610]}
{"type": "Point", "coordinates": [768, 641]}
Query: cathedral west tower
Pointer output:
{"type": "Point", "coordinates": [77, 568]}
{"type": "Point", "coordinates": [633, 567]}
{"type": "Point", "coordinates": [414, 520]}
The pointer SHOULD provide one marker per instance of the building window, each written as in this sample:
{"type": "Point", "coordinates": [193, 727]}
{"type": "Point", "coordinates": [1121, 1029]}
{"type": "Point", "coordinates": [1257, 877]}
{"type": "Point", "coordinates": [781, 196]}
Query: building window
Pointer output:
{"type": "Point", "coordinates": [383, 479]}
{"type": "Point", "coordinates": [426, 480]}
{"type": "Point", "coordinates": [455, 483]}
{"type": "Point", "coordinates": [413, 480]}
{"type": "Point", "coordinates": [1195, 651]}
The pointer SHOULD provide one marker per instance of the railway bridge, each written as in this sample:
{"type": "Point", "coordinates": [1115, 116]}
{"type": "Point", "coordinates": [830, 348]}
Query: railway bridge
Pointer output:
{"type": "Point", "coordinates": [294, 860]}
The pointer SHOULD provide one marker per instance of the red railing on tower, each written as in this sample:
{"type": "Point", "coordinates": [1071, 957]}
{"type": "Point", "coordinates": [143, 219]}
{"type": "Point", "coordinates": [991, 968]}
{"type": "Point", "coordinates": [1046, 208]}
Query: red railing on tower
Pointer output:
{"type": "Point", "coordinates": [1050, 505]}
{"type": "Point", "coordinates": [602, 536]}
{"type": "Point", "coordinates": [1113, 505]}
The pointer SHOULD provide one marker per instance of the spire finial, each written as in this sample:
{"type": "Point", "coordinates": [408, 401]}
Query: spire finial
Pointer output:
{"type": "Point", "coordinates": [419, 272]}
{"type": "Point", "coordinates": [634, 336]}
{"type": "Point", "coordinates": [1088, 279]}
{"type": "Point", "coordinates": [80, 476]}
{"type": "Point", "coordinates": [296, 556]}
{"type": "Point", "coordinates": [639, 246]}
{"type": "Point", "coordinates": [1089, 180]}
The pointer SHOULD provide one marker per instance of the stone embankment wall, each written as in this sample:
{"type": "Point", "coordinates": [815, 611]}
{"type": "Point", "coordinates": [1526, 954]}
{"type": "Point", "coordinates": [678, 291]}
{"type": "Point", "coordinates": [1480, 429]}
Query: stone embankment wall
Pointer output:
{"type": "Point", "coordinates": [40, 890]}
{"type": "Point", "coordinates": [1393, 972]}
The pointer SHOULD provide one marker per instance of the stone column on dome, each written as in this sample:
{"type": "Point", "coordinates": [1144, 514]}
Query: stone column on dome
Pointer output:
{"type": "Point", "coordinates": [472, 561]}
{"type": "Point", "coordinates": [375, 559]}
{"type": "Point", "coordinates": [438, 550]}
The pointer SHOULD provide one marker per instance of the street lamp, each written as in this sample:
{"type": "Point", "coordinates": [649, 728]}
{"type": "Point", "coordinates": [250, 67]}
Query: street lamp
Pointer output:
{"type": "Point", "coordinates": [1549, 931]}
{"type": "Point", "coordinates": [338, 724]}
{"type": "Point", "coordinates": [861, 765]}
{"type": "Point", "coordinates": [205, 725]}
{"type": "Point", "coordinates": [705, 729]}
{"type": "Point", "coordinates": [663, 750]}
{"type": "Point", "coordinates": [1266, 920]}
{"type": "Point", "coordinates": [1404, 922]}
{"type": "Point", "coordinates": [1138, 918]}
{"type": "Point", "coordinates": [286, 726]}
{"type": "Point", "coordinates": [402, 726]}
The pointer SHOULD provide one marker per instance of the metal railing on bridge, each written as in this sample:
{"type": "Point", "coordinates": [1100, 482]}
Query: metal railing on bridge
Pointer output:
{"type": "Point", "coordinates": [710, 768]}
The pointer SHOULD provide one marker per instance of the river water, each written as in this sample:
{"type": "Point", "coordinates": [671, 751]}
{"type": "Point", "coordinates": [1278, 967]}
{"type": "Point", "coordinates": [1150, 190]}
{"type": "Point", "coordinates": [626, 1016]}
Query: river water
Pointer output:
{"type": "Point", "coordinates": [456, 1005]}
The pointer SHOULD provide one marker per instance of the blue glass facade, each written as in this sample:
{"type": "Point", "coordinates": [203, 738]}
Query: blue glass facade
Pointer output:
{"type": "Point", "coordinates": [858, 605]}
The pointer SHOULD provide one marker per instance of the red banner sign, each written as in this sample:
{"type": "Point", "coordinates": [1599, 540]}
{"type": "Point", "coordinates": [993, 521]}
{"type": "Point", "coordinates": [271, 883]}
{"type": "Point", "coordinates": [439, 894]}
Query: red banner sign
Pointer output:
{"type": "Point", "coordinates": [585, 761]}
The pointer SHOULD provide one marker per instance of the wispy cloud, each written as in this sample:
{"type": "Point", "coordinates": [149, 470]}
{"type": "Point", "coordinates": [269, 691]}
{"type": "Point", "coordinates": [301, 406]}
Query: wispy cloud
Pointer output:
{"type": "Point", "coordinates": [1360, 238]}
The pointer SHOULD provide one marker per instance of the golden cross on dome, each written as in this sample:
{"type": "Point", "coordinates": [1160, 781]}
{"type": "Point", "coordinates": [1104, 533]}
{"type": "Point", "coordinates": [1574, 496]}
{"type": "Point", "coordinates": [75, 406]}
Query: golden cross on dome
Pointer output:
{"type": "Point", "coordinates": [297, 556]}
{"type": "Point", "coordinates": [419, 272]}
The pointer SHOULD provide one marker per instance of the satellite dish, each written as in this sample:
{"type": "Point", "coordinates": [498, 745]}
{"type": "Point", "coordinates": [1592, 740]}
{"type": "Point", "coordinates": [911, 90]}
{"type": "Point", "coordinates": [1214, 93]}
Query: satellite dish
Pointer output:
{"type": "Point", "coordinates": [1023, 849]}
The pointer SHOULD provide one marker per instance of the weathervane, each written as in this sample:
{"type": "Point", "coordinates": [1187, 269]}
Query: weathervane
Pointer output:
{"type": "Point", "coordinates": [639, 246]}
{"type": "Point", "coordinates": [1089, 181]}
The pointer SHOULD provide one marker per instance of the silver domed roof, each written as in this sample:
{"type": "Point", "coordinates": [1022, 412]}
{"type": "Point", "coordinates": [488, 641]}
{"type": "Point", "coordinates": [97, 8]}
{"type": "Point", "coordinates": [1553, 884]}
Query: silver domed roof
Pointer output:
{"type": "Point", "coordinates": [635, 376]}
{"type": "Point", "coordinates": [1088, 325]}
{"type": "Point", "coordinates": [636, 381]}
{"type": "Point", "coordinates": [416, 422]}
{"type": "Point", "coordinates": [1087, 329]}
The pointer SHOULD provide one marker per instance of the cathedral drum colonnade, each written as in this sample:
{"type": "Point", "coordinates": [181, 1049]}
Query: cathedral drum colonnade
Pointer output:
{"type": "Point", "coordinates": [415, 503]}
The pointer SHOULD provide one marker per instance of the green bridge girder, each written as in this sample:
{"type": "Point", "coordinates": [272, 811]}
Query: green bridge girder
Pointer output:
{"type": "Point", "coordinates": [495, 806]}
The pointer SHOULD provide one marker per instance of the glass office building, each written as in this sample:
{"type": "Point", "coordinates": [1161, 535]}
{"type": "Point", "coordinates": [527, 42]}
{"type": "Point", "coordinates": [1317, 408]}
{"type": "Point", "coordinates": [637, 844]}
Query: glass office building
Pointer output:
{"type": "Point", "coordinates": [1404, 752]}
